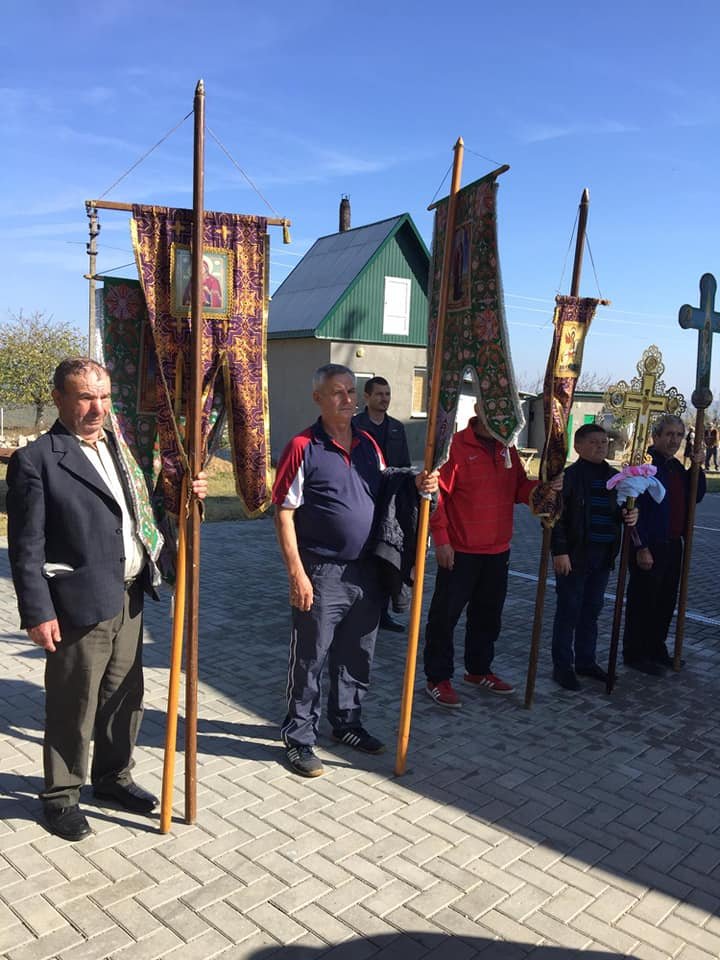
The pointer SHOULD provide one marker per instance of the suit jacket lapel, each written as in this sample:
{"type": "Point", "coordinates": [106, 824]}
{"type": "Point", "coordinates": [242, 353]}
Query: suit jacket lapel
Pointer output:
{"type": "Point", "coordinates": [72, 459]}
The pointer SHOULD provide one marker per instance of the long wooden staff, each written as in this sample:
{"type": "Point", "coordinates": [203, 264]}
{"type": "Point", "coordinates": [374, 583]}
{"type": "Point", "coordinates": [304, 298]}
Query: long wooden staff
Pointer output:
{"type": "Point", "coordinates": [689, 530]}
{"type": "Point", "coordinates": [707, 322]}
{"type": "Point", "coordinates": [547, 530]}
{"type": "Point", "coordinates": [424, 517]}
{"type": "Point", "coordinates": [175, 663]}
{"type": "Point", "coordinates": [619, 601]}
{"type": "Point", "coordinates": [194, 449]}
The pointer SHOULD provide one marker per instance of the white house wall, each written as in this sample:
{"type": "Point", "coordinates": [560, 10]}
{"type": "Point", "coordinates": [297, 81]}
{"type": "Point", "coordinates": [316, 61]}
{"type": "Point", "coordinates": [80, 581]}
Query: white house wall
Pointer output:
{"type": "Point", "coordinates": [397, 364]}
{"type": "Point", "coordinates": [291, 364]}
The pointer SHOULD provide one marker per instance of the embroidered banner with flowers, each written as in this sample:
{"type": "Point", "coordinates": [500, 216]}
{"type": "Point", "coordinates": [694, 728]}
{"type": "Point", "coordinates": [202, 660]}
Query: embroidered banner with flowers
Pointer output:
{"type": "Point", "coordinates": [234, 377]}
{"type": "Point", "coordinates": [475, 337]}
{"type": "Point", "coordinates": [128, 352]}
{"type": "Point", "coordinates": [571, 321]}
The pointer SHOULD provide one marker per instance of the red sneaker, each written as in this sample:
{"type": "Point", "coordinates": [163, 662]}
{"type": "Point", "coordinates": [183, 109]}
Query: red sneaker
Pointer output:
{"type": "Point", "coordinates": [443, 693]}
{"type": "Point", "coordinates": [490, 682]}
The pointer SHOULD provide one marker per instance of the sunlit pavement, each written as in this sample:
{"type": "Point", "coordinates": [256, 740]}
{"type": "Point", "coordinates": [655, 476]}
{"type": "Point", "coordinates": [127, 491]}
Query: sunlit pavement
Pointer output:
{"type": "Point", "coordinates": [589, 823]}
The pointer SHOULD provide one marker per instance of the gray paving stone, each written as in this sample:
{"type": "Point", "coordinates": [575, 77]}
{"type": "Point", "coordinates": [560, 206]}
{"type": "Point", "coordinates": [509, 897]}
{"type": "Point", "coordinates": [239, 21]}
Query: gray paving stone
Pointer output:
{"type": "Point", "coordinates": [98, 947]}
{"type": "Point", "coordinates": [588, 824]}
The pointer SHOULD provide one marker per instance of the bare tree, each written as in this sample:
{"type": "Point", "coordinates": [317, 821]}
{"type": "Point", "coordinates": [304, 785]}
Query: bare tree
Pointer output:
{"type": "Point", "coordinates": [530, 382]}
{"type": "Point", "coordinates": [591, 381]}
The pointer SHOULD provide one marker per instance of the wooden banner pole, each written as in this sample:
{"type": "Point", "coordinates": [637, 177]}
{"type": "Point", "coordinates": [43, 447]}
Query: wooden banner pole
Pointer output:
{"type": "Point", "coordinates": [547, 530]}
{"type": "Point", "coordinates": [194, 451]}
{"type": "Point", "coordinates": [619, 603]}
{"type": "Point", "coordinates": [424, 517]}
{"type": "Point", "coordinates": [116, 205]}
{"type": "Point", "coordinates": [166, 801]}
{"type": "Point", "coordinates": [687, 546]}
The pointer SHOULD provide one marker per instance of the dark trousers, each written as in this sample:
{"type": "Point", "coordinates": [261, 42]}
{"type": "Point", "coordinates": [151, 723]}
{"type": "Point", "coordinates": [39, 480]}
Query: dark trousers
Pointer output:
{"type": "Point", "coordinates": [480, 582]}
{"type": "Point", "coordinates": [93, 687]}
{"type": "Point", "coordinates": [580, 598]}
{"type": "Point", "coordinates": [650, 604]}
{"type": "Point", "coordinates": [339, 629]}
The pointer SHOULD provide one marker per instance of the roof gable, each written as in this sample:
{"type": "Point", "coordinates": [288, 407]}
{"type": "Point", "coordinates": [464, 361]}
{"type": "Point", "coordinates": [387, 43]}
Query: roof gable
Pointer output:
{"type": "Point", "coordinates": [333, 263]}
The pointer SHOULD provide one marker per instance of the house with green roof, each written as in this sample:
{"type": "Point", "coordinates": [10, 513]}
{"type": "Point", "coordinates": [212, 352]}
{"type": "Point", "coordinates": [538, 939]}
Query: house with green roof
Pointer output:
{"type": "Point", "coordinates": [358, 297]}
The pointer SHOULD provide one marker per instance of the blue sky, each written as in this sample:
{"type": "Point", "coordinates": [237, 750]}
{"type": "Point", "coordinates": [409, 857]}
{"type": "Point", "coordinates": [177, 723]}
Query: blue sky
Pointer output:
{"type": "Point", "coordinates": [317, 99]}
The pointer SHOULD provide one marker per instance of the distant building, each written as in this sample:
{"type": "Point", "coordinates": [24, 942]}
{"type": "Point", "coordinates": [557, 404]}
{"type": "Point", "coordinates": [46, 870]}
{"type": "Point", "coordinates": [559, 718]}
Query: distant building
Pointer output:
{"type": "Point", "coordinates": [587, 408]}
{"type": "Point", "coordinates": [358, 297]}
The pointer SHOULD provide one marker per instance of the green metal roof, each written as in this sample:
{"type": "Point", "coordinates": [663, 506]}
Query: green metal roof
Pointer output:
{"type": "Point", "coordinates": [327, 274]}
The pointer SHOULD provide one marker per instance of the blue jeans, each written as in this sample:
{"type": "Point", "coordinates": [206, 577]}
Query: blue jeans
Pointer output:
{"type": "Point", "coordinates": [580, 598]}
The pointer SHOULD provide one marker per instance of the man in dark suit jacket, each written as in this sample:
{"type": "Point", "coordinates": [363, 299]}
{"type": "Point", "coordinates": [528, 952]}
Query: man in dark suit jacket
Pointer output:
{"type": "Point", "coordinates": [389, 434]}
{"type": "Point", "coordinates": [80, 570]}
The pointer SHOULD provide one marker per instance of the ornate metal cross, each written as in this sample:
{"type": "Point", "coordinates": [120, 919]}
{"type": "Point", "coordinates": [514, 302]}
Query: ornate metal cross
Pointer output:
{"type": "Point", "coordinates": [644, 399]}
{"type": "Point", "coordinates": [707, 322]}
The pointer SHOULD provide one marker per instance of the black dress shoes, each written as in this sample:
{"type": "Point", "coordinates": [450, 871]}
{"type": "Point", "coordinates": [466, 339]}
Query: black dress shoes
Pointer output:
{"type": "Point", "coordinates": [67, 822]}
{"type": "Point", "coordinates": [567, 679]}
{"type": "Point", "coordinates": [649, 667]}
{"type": "Point", "coordinates": [666, 661]}
{"type": "Point", "coordinates": [127, 795]}
{"type": "Point", "coordinates": [594, 670]}
{"type": "Point", "coordinates": [387, 623]}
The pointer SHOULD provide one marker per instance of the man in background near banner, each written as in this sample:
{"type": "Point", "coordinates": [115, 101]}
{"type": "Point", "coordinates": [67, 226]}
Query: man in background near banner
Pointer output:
{"type": "Point", "coordinates": [389, 434]}
{"type": "Point", "coordinates": [328, 479]}
{"type": "Point", "coordinates": [585, 542]}
{"type": "Point", "coordinates": [471, 529]}
{"type": "Point", "coordinates": [82, 552]}
{"type": "Point", "coordinates": [656, 561]}
{"type": "Point", "coordinates": [711, 447]}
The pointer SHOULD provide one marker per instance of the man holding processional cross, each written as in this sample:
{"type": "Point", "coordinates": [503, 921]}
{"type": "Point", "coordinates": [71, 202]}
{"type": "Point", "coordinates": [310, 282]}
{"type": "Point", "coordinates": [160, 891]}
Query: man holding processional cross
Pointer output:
{"type": "Point", "coordinates": [656, 546]}
{"type": "Point", "coordinates": [656, 559]}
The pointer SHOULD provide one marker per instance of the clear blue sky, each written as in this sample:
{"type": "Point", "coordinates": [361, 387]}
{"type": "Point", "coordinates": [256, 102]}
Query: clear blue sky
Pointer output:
{"type": "Point", "coordinates": [317, 99]}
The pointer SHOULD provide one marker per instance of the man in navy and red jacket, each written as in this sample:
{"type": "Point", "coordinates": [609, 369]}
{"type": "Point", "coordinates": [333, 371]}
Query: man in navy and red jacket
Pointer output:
{"type": "Point", "coordinates": [471, 529]}
{"type": "Point", "coordinates": [328, 479]}
{"type": "Point", "coordinates": [656, 563]}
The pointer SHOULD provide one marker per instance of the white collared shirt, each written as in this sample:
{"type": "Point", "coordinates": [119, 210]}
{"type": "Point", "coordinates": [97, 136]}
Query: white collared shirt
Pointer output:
{"type": "Point", "coordinates": [103, 461]}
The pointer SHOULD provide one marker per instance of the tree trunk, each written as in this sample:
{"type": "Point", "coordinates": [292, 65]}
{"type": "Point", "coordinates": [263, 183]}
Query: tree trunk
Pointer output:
{"type": "Point", "coordinates": [39, 421]}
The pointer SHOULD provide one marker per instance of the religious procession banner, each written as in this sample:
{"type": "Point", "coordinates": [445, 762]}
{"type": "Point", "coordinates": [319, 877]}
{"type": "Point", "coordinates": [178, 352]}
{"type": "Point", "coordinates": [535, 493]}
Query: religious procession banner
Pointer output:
{"type": "Point", "coordinates": [234, 323]}
{"type": "Point", "coordinates": [475, 335]}
{"type": "Point", "coordinates": [571, 322]}
{"type": "Point", "coordinates": [128, 352]}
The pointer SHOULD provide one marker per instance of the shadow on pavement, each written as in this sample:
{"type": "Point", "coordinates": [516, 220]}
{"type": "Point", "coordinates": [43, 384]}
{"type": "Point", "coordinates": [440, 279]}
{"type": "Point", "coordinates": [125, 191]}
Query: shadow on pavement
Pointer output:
{"type": "Point", "coordinates": [411, 945]}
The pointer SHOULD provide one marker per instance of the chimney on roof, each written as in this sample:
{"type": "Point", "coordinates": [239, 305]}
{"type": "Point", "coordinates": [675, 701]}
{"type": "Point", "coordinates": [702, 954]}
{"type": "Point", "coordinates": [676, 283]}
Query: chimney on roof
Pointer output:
{"type": "Point", "coordinates": [344, 213]}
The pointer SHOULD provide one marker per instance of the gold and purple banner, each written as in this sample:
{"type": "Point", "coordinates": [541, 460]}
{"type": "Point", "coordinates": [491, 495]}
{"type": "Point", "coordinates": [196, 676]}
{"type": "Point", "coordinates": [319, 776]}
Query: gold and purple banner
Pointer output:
{"type": "Point", "coordinates": [234, 376]}
{"type": "Point", "coordinates": [571, 322]}
{"type": "Point", "coordinates": [475, 337]}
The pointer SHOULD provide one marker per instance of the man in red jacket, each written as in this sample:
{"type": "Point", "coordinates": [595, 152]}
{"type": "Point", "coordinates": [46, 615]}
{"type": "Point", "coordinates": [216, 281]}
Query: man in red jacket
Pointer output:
{"type": "Point", "coordinates": [472, 528]}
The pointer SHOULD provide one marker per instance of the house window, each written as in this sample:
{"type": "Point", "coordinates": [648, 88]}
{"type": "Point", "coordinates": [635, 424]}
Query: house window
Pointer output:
{"type": "Point", "coordinates": [360, 380]}
{"type": "Point", "coordinates": [419, 392]}
{"type": "Point", "coordinates": [396, 310]}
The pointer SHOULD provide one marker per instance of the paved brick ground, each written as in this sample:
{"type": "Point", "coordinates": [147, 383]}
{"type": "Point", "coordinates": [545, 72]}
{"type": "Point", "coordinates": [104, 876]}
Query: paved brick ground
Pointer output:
{"type": "Point", "coordinates": [589, 824]}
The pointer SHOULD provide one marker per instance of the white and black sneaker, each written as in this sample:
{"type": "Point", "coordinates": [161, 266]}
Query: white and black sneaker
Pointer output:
{"type": "Point", "coordinates": [303, 761]}
{"type": "Point", "coordinates": [359, 739]}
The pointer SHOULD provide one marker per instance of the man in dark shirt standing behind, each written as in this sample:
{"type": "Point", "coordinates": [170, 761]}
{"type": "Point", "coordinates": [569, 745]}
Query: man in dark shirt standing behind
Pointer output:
{"type": "Point", "coordinates": [389, 434]}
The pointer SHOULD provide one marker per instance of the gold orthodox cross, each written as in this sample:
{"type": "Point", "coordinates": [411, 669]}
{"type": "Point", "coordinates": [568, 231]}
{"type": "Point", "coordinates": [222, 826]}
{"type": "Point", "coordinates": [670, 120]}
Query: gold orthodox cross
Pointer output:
{"type": "Point", "coordinates": [643, 400]}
